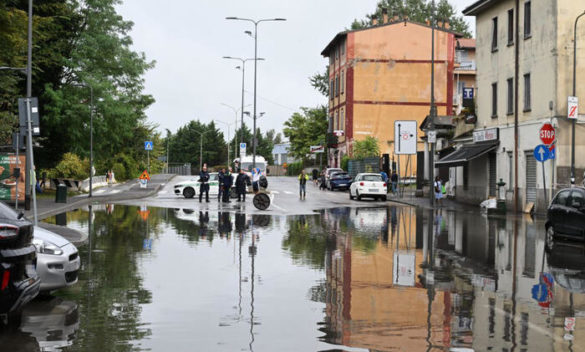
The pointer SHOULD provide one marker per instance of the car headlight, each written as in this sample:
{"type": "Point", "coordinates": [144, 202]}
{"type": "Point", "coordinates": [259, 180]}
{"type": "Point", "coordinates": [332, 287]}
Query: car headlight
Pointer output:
{"type": "Point", "coordinates": [46, 247]}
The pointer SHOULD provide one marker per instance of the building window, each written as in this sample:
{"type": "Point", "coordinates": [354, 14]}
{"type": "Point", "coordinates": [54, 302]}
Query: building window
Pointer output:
{"type": "Point", "coordinates": [527, 20]}
{"type": "Point", "coordinates": [336, 86]}
{"type": "Point", "coordinates": [331, 87]}
{"type": "Point", "coordinates": [511, 27]}
{"type": "Point", "coordinates": [510, 105]}
{"type": "Point", "coordinates": [527, 92]}
{"type": "Point", "coordinates": [343, 48]}
{"type": "Point", "coordinates": [342, 120]}
{"type": "Point", "coordinates": [494, 34]}
{"type": "Point", "coordinates": [337, 120]}
{"type": "Point", "coordinates": [494, 99]}
{"type": "Point", "coordinates": [342, 82]}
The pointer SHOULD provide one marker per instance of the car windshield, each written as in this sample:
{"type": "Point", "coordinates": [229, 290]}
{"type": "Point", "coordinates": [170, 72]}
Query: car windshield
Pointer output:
{"type": "Point", "coordinates": [371, 178]}
{"type": "Point", "coordinates": [7, 212]}
{"type": "Point", "coordinates": [247, 166]}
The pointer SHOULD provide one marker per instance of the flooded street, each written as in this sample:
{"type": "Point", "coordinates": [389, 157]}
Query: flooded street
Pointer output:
{"type": "Point", "coordinates": [343, 279]}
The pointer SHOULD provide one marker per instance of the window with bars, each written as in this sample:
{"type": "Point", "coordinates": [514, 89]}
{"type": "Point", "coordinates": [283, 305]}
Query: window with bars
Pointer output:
{"type": "Point", "coordinates": [527, 20]}
{"type": "Point", "coordinates": [527, 92]}
{"type": "Point", "coordinates": [511, 27]}
{"type": "Point", "coordinates": [495, 99]}
{"type": "Point", "coordinates": [494, 34]}
{"type": "Point", "coordinates": [510, 100]}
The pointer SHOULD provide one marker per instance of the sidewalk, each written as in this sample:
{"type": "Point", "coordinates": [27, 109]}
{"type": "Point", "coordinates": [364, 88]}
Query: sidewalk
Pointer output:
{"type": "Point", "coordinates": [409, 198]}
{"type": "Point", "coordinates": [46, 207]}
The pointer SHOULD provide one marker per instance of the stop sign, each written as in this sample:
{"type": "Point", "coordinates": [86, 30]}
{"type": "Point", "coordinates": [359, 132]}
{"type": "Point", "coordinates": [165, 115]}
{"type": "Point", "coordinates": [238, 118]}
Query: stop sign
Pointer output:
{"type": "Point", "coordinates": [547, 134]}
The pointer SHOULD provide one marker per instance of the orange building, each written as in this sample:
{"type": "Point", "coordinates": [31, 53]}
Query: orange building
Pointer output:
{"type": "Point", "coordinates": [382, 74]}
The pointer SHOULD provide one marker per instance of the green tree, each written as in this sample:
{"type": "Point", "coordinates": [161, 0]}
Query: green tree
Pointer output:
{"type": "Point", "coordinates": [184, 146]}
{"type": "Point", "coordinates": [306, 129]}
{"type": "Point", "coordinates": [366, 148]}
{"type": "Point", "coordinates": [320, 81]}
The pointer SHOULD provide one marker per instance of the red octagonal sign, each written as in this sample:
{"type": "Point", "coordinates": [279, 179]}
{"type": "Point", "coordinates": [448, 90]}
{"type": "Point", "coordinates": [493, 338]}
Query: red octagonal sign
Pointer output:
{"type": "Point", "coordinates": [547, 134]}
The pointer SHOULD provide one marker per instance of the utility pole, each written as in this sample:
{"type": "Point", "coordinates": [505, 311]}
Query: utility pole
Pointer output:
{"type": "Point", "coordinates": [433, 111]}
{"type": "Point", "coordinates": [29, 146]}
{"type": "Point", "coordinates": [574, 94]}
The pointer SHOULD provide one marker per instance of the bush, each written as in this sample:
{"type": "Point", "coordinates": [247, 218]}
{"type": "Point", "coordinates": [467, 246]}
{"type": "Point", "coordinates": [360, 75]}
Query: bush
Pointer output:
{"type": "Point", "coordinates": [294, 169]}
{"type": "Point", "coordinates": [119, 171]}
{"type": "Point", "coordinates": [71, 166]}
{"type": "Point", "coordinates": [345, 162]}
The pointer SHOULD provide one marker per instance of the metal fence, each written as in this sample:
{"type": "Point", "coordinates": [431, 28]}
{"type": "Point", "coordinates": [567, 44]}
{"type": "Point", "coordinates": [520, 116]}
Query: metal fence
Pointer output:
{"type": "Point", "coordinates": [180, 169]}
{"type": "Point", "coordinates": [355, 167]}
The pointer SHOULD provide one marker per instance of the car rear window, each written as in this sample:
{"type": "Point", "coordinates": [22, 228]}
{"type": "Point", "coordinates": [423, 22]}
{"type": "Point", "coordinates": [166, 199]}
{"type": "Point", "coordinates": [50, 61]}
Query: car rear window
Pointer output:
{"type": "Point", "coordinates": [372, 178]}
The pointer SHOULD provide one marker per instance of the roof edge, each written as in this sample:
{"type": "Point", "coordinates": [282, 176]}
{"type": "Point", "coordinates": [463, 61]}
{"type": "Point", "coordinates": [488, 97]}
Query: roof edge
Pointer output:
{"type": "Point", "coordinates": [478, 7]}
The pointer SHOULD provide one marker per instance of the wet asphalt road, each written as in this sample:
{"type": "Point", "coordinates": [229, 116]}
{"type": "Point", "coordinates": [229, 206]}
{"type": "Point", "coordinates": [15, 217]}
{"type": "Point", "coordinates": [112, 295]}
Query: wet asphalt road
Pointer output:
{"type": "Point", "coordinates": [285, 201]}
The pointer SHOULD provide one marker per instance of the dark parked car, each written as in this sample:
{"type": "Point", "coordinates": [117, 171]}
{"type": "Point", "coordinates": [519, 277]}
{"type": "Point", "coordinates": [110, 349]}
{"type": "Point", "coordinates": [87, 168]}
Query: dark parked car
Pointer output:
{"type": "Point", "coordinates": [339, 180]}
{"type": "Point", "coordinates": [566, 215]}
{"type": "Point", "coordinates": [19, 282]}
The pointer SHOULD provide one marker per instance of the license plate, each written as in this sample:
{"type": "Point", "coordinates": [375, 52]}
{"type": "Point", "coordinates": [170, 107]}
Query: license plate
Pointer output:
{"type": "Point", "coordinates": [373, 190]}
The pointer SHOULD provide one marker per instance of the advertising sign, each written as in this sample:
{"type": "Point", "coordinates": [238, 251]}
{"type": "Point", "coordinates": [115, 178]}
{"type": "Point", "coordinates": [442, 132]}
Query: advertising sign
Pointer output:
{"type": "Point", "coordinates": [7, 179]}
{"type": "Point", "coordinates": [317, 149]}
{"type": "Point", "coordinates": [405, 137]}
{"type": "Point", "coordinates": [490, 134]}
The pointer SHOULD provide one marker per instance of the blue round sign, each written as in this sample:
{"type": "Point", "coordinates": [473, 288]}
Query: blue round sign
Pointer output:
{"type": "Point", "coordinates": [541, 153]}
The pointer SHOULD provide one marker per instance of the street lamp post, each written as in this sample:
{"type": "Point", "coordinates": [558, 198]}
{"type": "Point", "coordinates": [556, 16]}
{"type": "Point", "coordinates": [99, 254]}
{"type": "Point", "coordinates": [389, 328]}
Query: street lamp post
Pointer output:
{"type": "Point", "coordinates": [574, 94]}
{"type": "Point", "coordinates": [200, 147]}
{"type": "Point", "coordinates": [90, 135]}
{"type": "Point", "coordinates": [228, 144]}
{"type": "Point", "coordinates": [433, 111]}
{"type": "Point", "coordinates": [256, 22]}
{"type": "Point", "coordinates": [243, 68]}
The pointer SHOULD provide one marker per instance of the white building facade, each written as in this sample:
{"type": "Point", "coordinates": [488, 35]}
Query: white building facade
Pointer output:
{"type": "Point", "coordinates": [524, 55]}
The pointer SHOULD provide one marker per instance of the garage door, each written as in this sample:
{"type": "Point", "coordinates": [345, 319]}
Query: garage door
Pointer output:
{"type": "Point", "coordinates": [530, 177]}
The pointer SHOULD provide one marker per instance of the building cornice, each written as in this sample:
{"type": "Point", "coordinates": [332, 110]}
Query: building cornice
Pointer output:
{"type": "Point", "coordinates": [479, 6]}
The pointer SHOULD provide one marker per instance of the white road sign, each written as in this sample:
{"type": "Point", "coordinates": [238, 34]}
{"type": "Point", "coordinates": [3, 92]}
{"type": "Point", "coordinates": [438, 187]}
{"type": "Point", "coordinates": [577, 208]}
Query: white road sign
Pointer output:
{"type": "Point", "coordinates": [405, 137]}
{"type": "Point", "coordinates": [317, 149]}
{"type": "Point", "coordinates": [573, 108]}
{"type": "Point", "coordinates": [432, 136]}
{"type": "Point", "coordinates": [242, 150]}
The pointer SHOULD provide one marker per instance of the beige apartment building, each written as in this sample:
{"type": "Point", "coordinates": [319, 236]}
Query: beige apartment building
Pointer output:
{"type": "Point", "coordinates": [524, 57]}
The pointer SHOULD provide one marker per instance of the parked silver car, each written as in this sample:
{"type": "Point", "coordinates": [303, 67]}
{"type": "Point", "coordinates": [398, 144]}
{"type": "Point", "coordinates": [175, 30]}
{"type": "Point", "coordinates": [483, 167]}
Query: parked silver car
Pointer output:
{"type": "Point", "coordinates": [57, 260]}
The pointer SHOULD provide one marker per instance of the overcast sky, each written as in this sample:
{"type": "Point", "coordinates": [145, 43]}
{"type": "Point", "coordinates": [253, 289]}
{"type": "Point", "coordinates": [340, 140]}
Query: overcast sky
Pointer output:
{"type": "Point", "coordinates": [187, 39]}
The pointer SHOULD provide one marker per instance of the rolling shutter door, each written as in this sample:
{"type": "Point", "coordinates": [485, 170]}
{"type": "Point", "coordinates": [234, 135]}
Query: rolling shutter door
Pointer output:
{"type": "Point", "coordinates": [492, 174]}
{"type": "Point", "coordinates": [530, 177]}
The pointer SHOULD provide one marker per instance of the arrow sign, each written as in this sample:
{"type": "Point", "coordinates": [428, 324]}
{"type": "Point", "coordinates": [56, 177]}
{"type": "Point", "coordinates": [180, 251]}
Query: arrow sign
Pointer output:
{"type": "Point", "coordinates": [541, 153]}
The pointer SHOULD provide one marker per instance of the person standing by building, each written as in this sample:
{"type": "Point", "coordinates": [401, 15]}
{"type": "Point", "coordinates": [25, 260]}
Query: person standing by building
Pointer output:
{"type": "Point", "coordinates": [438, 191]}
{"type": "Point", "coordinates": [204, 184]}
{"type": "Point", "coordinates": [228, 180]}
{"type": "Point", "coordinates": [303, 178]}
{"type": "Point", "coordinates": [394, 180]}
{"type": "Point", "coordinates": [241, 185]}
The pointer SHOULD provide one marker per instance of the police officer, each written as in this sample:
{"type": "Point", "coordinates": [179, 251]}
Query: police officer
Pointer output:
{"type": "Point", "coordinates": [204, 184]}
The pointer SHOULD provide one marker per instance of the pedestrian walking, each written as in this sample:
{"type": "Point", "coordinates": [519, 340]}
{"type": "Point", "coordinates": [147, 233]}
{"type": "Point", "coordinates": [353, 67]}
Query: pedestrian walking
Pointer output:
{"type": "Point", "coordinates": [228, 181]}
{"type": "Point", "coordinates": [256, 173]}
{"type": "Point", "coordinates": [204, 184]}
{"type": "Point", "coordinates": [241, 185]}
{"type": "Point", "coordinates": [394, 180]}
{"type": "Point", "coordinates": [315, 177]}
{"type": "Point", "coordinates": [438, 191]}
{"type": "Point", "coordinates": [303, 178]}
{"type": "Point", "coordinates": [385, 179]}
{"type": "Point", "coordinates": [220, 184]}
{"type": "Point", "coordinates": [323, 185]}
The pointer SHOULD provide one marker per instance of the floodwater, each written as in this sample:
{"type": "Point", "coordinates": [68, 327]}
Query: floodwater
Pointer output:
{"type": "Point", "coordinates": [345, 279]}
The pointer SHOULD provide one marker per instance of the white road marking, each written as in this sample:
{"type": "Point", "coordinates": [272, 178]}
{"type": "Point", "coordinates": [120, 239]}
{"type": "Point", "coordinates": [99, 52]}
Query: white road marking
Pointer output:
{"type": "Point", "coordinates": [277, 207]}
{"type": "Point", "coordinates": [288, 192]}
{"type": "Point", "coordinates": [275, 192]}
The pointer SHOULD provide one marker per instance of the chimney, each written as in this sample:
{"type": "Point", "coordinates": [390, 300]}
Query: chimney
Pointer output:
{"type": "Point", "coordinates": [374, 21]}
{"type": "Point", "coordinates": [384, 16]}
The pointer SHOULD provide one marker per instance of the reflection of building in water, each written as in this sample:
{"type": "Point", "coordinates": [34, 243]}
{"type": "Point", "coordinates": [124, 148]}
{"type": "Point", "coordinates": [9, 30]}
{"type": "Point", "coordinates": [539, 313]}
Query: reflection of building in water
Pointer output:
{"type": "Point", "coordinates": [480, 288]}
{"type": "Point", "coordinates": [363, 306]}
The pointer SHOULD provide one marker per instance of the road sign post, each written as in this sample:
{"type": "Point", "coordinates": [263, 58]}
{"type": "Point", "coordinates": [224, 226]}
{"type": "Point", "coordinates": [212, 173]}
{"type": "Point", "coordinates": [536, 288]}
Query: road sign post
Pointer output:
{"type": "Point", "coordinates": [542, 154]}
{"type": "Point", "coordinates": [148, 147]}
{"type": "Point", "coordinates": [242, 151]}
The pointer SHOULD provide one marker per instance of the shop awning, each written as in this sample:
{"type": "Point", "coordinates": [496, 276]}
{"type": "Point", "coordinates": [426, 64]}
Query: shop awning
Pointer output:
{"type": "Point", "coordinates": [467, 152]}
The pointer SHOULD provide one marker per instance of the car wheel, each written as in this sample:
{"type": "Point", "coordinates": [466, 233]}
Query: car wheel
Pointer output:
{"type": "Point", "coordinates": [550, 238]}
{"type": "Point", "coordinates": [350, 196]}
{"type": "Point", "coordinates": [357, 194]}
{"type": "Point", "coordinates": [189, 192]}
{"type": "Point", "coordinates": [384, 198]}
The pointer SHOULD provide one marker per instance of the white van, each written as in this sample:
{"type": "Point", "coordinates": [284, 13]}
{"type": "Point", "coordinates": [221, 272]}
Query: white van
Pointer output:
{"type": "Point", "coordinates": [246, 164]}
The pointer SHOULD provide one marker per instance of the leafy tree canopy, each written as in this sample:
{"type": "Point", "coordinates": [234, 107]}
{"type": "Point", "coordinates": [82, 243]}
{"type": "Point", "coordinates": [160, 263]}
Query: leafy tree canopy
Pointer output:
{"type": "Point", "coordinates": [305, 129]}
{"type": "Point", "coordinates": [366, 148]}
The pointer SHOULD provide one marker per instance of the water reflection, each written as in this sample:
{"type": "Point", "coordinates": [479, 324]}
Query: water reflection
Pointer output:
{"type": "Point", "coordinates": [377, 279]}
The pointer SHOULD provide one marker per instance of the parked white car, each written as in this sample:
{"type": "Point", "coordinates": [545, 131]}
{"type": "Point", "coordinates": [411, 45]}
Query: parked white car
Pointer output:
{"type": "Point", "coordinates": [58, 260]}
{"type": "Point", "coordinates": [368, 185]}
{"type": "Point", "coordinates": [189, 189]}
